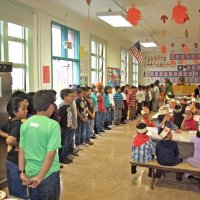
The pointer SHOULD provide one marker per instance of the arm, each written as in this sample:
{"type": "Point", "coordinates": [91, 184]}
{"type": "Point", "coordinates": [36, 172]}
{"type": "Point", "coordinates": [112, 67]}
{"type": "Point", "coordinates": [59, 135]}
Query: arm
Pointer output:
{"type": "Point", "coordinates": [35, 181]}
{"type": "Point", "coordinates": [21, 163]}
{"type": "Point", "coordinates": [183, 125]}
{"type": "Point", "coordinates": [3, 134]}
{"type": "Point", "coordinates": [10, 140]}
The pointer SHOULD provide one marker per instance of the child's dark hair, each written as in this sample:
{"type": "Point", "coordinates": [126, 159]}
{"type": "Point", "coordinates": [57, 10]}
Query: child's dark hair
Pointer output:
{"type": "Point", "coordinates": [79, 90]}
{"type": "Point", "coordinates": [53, 91]}
{"type": "Point", "coordinates": [122, 88]}
{"type": "Point", "coordinates": [117, 87]}
{"type": "Point", "coordinates": [106, 89]}
{"type": "Point", "coordinates": [31, 110]}
{"type": "Point", "coordinates": [100, 88]}
{"type": "Point", "coordinates": [13, 106]}
{"type": "Point", "coordinates": [160, 118]}
{"type": "Point", "coordinates": [64, 93]}
{"type": "Point", "coordinates": [198, 134]}
{"type": "Point", "coordinates": [20, 94]}
{"type": "Point", "coordinates": [42, 99]}
{"type": "Point", "coordinates": [87, 89]}
{"type": "Point", "coordinates": [141, 125]}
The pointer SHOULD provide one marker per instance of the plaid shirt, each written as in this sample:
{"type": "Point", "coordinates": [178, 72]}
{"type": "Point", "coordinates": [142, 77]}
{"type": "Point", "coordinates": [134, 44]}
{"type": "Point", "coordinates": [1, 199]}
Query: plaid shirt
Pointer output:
{"type": "Point", "coordinates": [144, 152]}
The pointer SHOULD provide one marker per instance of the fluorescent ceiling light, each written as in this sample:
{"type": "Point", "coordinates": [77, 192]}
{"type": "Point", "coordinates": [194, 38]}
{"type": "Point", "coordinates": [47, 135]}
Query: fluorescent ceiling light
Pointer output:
{"type": "Point", "coordinates": [115, 19]}
{"type": "Point", "coordinates": [148, 44]}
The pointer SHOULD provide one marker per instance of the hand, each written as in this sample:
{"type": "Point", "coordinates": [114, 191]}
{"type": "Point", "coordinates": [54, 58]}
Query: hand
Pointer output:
{"type": "Point", "coordinates": [35, 181]}
{"type": "Point", "coordinates": [24, 179]}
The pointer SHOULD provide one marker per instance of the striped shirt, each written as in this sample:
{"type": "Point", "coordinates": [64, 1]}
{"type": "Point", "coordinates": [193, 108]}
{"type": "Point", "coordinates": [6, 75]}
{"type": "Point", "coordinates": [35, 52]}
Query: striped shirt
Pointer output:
{"type": "Point", "coordinates": [118, 99]}
{"type": "Point", "coordinates": [144, 152]}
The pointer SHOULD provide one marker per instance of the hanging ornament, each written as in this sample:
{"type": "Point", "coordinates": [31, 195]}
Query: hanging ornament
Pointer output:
{"type": "Point", "coordinates": [179, 14]}
{"type": "Point", "coordinates": [183, 45]}
{"type": "Point", "coordinates": [163, 49]}
{"type": "Point", "coordinates": [196, 45]}
{"type": "Point", "coordinates": [88, 2]}
{"type": "Point", "coordinates": [172, 45]}
{"type": "Point", "coordinates": [186, 34]}
{"type": "Point", "coordinates": [186, 50]}
{"type": "Point", "coordinates": [133, 15]}
{"type": "Point", "coordinates": [164, 18]}
{"type": "Point", "coordinates": [163, 33]}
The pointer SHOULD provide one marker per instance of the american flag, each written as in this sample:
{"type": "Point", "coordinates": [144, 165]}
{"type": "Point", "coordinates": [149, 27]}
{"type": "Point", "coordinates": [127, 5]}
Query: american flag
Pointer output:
{"type": "Point", "coordinates": [136, 50]}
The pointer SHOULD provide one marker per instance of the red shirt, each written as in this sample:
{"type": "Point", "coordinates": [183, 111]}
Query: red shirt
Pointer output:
{"type": "Point", "coordinates": [100, 103]}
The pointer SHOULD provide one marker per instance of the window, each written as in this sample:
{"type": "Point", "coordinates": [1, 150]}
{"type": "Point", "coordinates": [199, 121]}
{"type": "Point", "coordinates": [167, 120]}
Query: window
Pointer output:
{"type": "Point", "coordinates": [14, 48]}
{"type": "Point", "coordinates": [98, 59]}
{"type": "Point", "coordinates": [65, 57]}
{"type": "Point", "coordinates": [124, 67]}
{"type": "Point", "coordinates": [135, 72]}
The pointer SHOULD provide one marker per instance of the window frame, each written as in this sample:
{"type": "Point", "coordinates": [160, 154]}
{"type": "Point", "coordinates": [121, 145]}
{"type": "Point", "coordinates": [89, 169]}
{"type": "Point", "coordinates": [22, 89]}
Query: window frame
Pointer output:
{"type": "Point", "coordinates": [135, 65]}
{"type": "Point", "coordinates": [125, 62]}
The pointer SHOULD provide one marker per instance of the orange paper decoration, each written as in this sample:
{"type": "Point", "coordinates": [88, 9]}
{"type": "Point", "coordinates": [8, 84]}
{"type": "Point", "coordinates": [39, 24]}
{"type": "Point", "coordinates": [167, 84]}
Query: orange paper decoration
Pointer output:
{"type": "Point", "coordinates": [172, 62]}
{"type": "Point", "coordinates": [163, 49]}
{"type": "Point", "coordinates": [182, 62]}
{"type": "Point", "coordinates": [195, 61]}
{"type": "Point", "coordinates": [133, 15]}
{"type": "Point", "coordinates": [186, 33]}
{"type": "Point", "coordinates": [186, 50]}
{"type": "Point", "coordinates": [179, 14]}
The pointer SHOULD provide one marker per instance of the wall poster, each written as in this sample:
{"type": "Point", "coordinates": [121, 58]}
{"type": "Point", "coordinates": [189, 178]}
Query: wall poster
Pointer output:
{"type": "Point", "coordinates": [113, 76]}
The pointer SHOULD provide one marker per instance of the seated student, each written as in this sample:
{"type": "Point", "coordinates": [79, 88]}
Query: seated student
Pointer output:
{"type": "Point", "coordinates": [167, 151]}
{"type": "Point", "coordinates": [142, 147]}
{"type": "Point", "coordinates": [195, 160]}
{"type": "Point", "coordinates": [196, 105]}
{"type": "Point", "coordinates": [177, 117]}
{"type": "Point", "coordinates": [183, 104]}
{"type": "Point", "coordinates": [165, 119]}
{"type": "Point", "coordinates": [188, 122]}
{"type": "Point", "coordinates": [145, 117]}
{"type": "Point", "coordinates": [168, 97]}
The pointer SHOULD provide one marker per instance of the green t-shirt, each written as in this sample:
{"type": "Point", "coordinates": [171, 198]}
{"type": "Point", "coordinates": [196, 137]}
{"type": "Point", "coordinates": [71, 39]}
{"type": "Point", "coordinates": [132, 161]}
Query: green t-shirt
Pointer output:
{"type": "Point", "coordinates": [38, 136]}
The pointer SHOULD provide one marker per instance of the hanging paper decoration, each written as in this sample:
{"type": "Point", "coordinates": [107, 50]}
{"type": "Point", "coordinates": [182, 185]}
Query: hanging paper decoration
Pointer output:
{"type": "Point", "coordinates": [195, 61]}
{"type": "Point", "coordinates": [163, 49]}
{"type": "Point", "coordinates": [186, 50]}
{"type": "Point", "coordinates": [133, 15]}
{"type": "Point", "coordinates": [196, 45]}
{"type": "Point", "coordinates": [88, 2]}
{"type": "Point", "coordinates": [186, 34]}
{"type": "Point", "coordinates": [172, 45]}
{"type": "Point", "coordinates": [172, 62]}
{"type": "Point", "coordinates": [182, 62]}
{"type": "Point", "coordinates": [183, 45]}
{"type": "Point", "coordinates": [179, 14]}
{"type": "Point", "coordinates": [164, 18]}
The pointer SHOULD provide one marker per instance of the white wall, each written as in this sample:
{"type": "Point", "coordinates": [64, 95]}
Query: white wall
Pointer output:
{"type": "Point", "coordinates": [43, 14]}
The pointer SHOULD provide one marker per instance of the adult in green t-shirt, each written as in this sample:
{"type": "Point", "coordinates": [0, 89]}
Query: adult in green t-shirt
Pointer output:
{"type": "Point", "coordinates": [168, 87]}
{"type": "Point", "coordinates": [40, 138]}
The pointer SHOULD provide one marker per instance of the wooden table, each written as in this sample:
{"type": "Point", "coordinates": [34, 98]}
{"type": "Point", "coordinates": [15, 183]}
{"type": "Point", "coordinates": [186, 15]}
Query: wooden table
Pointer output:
{"type": "Point", "coordinates": [183, 139]}
{"type": "Point", "coordinates": [184, 89]}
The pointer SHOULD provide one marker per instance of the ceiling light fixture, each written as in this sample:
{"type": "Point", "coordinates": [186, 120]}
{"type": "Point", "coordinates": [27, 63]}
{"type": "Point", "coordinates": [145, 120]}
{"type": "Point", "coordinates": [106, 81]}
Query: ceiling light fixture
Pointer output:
{"type": "Point", "coordinates": [148, 44]}
{"type": "Point", "coordinates": [114, 18]}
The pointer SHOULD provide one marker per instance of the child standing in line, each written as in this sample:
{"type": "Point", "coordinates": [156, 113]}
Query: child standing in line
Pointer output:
{"type": "Point", "coordinates": [39, 166]}
{"type": "Point", "coordinates": [188, 122]}
{"type": "Point", "coordinates": [17, 110]}
{"type": "Point", "coordinates": [125, 108]}
{"type": "Point", "coordinates": [101, 110]}
{"type": "Point", "coordinates": [139, 98]}
{"type": "Point", "coordinates": [66, 125]}
{"type": "Point", "coordinates": [142, 148]}
{"type": "Point", "coordinates": [118, 99]}
{"type": "Point", "coordinates": [131, 100]}
{"type": "Point", "coordinates": [81, 117]}
{"type": "Point", "coordinates": [195, 160]}
{"type": "Point", "coordinates": [108, 109]}
{"type": "Point", "coordinates": [156, 96]}
{"type": "Point", "coordinates": [112, 105]}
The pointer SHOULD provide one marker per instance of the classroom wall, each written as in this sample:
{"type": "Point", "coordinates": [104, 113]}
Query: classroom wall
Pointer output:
{"type": "Point", "coordinates": [43, 13]}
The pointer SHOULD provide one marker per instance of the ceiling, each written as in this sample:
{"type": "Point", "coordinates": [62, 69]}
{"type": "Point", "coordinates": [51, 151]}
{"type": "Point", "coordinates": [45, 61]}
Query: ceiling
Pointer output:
{"type": "Point", "coordinates": [150, 27]}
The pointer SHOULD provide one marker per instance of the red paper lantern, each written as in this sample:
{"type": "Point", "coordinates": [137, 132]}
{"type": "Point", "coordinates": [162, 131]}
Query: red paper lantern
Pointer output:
{"type": "Point", "coordinates": [163, 49]}
{"type": "Point", "coordinates": [179, 14]}
{"type": "Point", "coordinates": [133, 15]}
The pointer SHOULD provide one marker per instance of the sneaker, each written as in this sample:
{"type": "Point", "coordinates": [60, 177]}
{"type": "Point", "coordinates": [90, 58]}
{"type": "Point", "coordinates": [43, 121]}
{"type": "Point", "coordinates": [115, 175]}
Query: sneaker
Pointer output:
{"type": "Point", "coordinates": [74, 154]}
{"type": "Point", "coordinates": [107, 128]}
{"type": "Point", "coordinates": [70, 157]}
{"type": "Point", "coordinates": [84, 144]}
{"type": "Point", "coordinates": [75, 150]}
{"type": "Point", "coordinates": [61, 166]}
{"type": "Point", "coordinates": [89, 142]}
{"type": "Point", "coordinates": [67, 161]}
{"type": "Point", "coordinates": [79, 148]}
{"type": "Point", "coordinates": [101, 131]}
{"type": "Point", "coordinates": [93, 136]}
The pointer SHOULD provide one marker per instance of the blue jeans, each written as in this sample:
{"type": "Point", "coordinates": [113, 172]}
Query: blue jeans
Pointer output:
{"type": "Point", "coordinates": [48, 189]}
{"type": "Point", "coordinates": [100, 121]}
{"type": "Point", "coordinates": [65, 141]}
{"type": "Point", "coordinates": [79, 134]}
{"type": "Point", "coordinates": [15, 186]}
{"type": "Point", "coordinates": [88, 131]}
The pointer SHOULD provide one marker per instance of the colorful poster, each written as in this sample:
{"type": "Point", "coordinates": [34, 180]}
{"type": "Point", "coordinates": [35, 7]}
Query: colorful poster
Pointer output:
{"type": "Point", "coordinates": [113, 76]}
